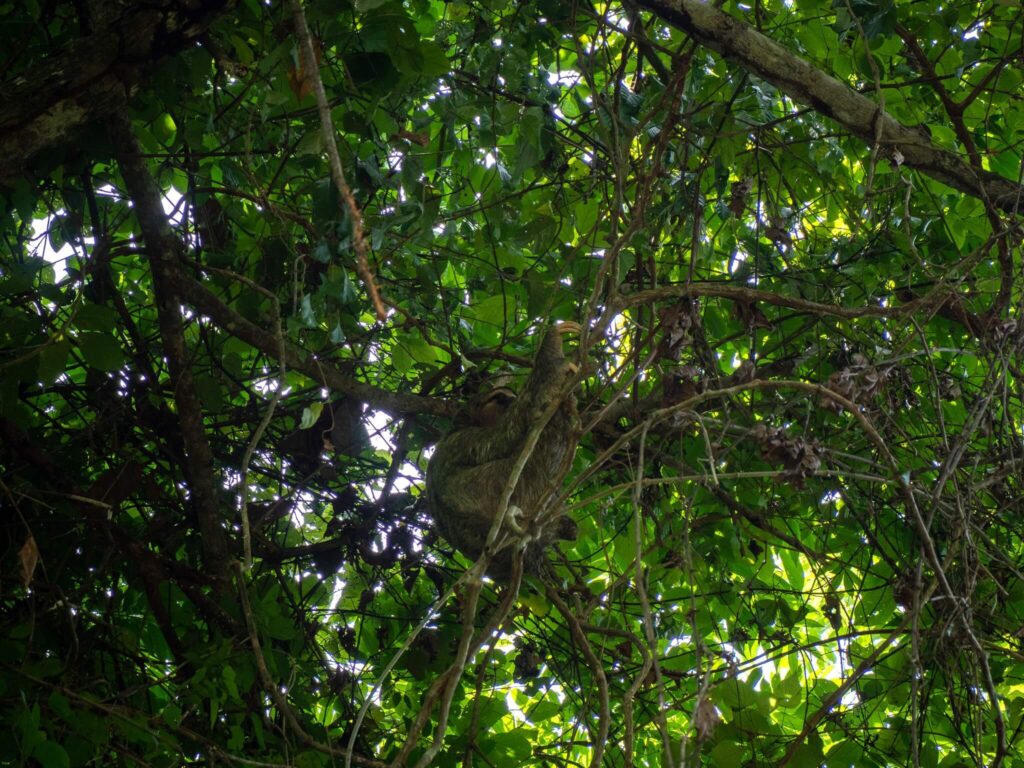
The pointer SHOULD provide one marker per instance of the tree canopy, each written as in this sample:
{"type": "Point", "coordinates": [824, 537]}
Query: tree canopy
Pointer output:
{"type": "Point", "coordinates": [255, 255]}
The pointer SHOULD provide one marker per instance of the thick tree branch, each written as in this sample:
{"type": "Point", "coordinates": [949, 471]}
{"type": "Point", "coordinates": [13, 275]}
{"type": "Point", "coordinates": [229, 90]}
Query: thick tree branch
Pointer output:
{"type": "Point", "coordinates": [88, 79]}
{"type": "Point", "coordinates": [299, 360]}
{"type": "Point", "coordinates": [161, 247]}
{"type": "Point", "coordinates": [805, 83]}
{"type": "Point", "coordinates": [754, 296]}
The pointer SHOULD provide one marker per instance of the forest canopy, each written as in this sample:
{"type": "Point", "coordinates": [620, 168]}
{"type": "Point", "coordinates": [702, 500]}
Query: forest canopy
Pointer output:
{"type": "Point", "coordinates": [257, 257]}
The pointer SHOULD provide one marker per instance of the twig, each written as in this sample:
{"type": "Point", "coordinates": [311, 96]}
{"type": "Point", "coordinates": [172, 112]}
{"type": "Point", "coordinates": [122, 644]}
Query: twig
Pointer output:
{"type": "Point", "coordinates": [580, 637]}
{"type": "Point", "coordinates": [394, 660]}
{"type": "Point", "coordinates": [243, 483]}
{"type": "Point", "coordinates": [311, 71]}
{"type": "Point", "coordinates": [640, 579]}
{"type": "Point", "coordinates": [469, 646]}
{"type": "Point", "coordinates": [274, 690]}
{"type": "Point", "coordinates": [837, 695]}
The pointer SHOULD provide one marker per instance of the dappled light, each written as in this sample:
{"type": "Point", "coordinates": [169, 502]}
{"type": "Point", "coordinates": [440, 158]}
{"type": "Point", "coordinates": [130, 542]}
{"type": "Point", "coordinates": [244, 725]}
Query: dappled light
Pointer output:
{"type": "Point", "coordinates": [519, 383]}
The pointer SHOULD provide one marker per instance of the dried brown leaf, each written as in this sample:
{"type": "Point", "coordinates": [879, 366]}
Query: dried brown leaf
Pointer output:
{"type": "Point", "coordinates": [705, 718]}
{"type": "Point", "coordinates": [28, 559]}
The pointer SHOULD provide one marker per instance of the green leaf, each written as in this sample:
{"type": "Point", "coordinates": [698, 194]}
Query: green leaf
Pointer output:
{"type": "Point", "coordinates": [528, 146]}
{"type": "Point", "coordinates": [728, 753]}
{"type": "Point", "coordinates": [585, 215]}
{"type": "Point", "coordinates": [844, 754]}
{"type": "Point", "coordinates": [432, 61]}
{"type": "Point", "coordinates": [228, 676]}
{"type": "Point", "coordinates": [808, 754]}
{"type": "Point", "coordinates": [401, 359]}
{"type": "Point", "coordinates": [23, 198]}
{"type": "Point", "coordinates": [625, 550]}
{"type": "Point", "coordinates": [164, 128]}
{"type": "Point", "coordinates": [311, 414]}
{"type": "Point", "coordinates": [312, 143]}
{"type": "Point", "coordinates": [53, 360]}
{"type": "Point", "coordinates": [95, 317]}
{"type": "Point", "coordinates": [737, 694]}
{"type": "Point", "coordinates": [546, 710]}
{"type": "Point", "coordinates": [172, 714]}
{"type": "Point", "coordinates": [311, 759]}
{"type": "Point", "coordinates": [794, 568]}
{"type": "Point", "coordinates": [490, 310]}
{"type": "Point", "coordinates": [210, 393]}
{"type": "Point", "coordinates": [419, 350]}
{"type": "Point", "coordinates": [101, 351]}
{"type": "Point", "coordinates": [348, 291]}
{"type": "Point", "coordinates": [515, 744]}
{"type": "Point", "coordinates": [306, 313]}
{"type": "Point", "coordinates": [51, 755]}
{"type": "Point", "coordinates": [59, 703]}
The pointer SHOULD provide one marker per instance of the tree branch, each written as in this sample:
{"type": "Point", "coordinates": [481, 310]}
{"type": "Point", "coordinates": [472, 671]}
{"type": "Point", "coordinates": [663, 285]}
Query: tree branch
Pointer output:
{"type": "Point", "coordinates": [161, 248]}
{"type": "Point", "coordinates": [89, 78]}
{"type": "Point", "coordinates": [755, 296]}
{"type": "Point", "coordinates": [300, 360]}
{"type": "Point", "coordinates": [741, 43]}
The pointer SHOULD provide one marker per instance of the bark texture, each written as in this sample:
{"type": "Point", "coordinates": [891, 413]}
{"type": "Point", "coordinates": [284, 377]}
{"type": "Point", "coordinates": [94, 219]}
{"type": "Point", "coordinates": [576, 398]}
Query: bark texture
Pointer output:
{"type": "Point", "coordinates": [89, 78]}
{"type": "Point", "coordinates": [805, 83]}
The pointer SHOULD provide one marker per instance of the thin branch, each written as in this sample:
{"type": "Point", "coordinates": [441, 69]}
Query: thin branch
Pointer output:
{"type": "Point", "coordinates": [311, 72]}
{"type": "Point", "coordinates": [640, 580]}
{"type": "Point", "coordinates": [756, 296]}
{"type": "Point", "coordinates": [298, 359]}
{"type": "Point", "coordinates": [273, 689]}
{"type": "Point", "coordinates": [580, 638]}
{"type": "Point", "coordinates": [268, 414]}
{"type": "Point", "coordinates": [837, 695]}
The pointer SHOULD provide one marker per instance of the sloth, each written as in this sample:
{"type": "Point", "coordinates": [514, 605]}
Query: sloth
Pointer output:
{"type": "Point", "coordinates": [471, 465]}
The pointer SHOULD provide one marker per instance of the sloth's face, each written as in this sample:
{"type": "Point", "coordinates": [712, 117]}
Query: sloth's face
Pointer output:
{"type": "Point", "coordinates": [493, 406]}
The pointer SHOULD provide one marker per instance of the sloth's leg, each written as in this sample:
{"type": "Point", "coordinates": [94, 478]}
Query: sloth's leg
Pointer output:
{"type": "Point", "coordinates": [512, 517]}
